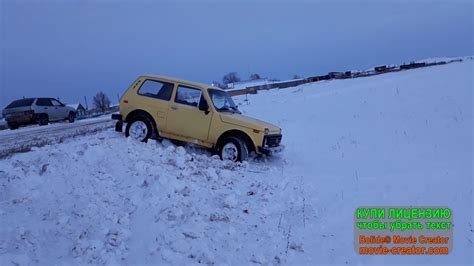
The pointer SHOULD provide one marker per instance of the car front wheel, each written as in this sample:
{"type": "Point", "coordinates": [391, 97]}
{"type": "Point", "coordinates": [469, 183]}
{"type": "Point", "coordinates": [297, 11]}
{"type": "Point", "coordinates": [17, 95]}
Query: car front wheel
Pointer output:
{"type": "Point", "coordinates": [71, 117]}
{"type": "Point", "coordinates": [234, 149]}
{"type": "Point", "coordinates": [139, 129]}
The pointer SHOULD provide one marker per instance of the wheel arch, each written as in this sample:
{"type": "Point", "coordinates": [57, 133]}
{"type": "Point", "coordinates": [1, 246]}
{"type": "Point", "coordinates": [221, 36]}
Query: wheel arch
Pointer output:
{"type": "Point", "coordinates": [38, 116]}
{"type": "Point", "coordinates": [143, 113]}
{"type": "Point", "coordinates": [236, 133]}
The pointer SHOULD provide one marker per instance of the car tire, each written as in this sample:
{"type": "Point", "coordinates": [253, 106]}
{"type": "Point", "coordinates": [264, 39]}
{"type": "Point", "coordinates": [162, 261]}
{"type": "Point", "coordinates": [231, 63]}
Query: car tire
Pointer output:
{"type": "Point", "coordinates": [71, 117]}
{"type": "Point", "coordinates": [233, 149]}
{"type": "Point", "coordinates": [13, 126]}
{"type": "Point", "coordinates": [43, 119]}
{"type": "Point", "coordinates": [139, 128]}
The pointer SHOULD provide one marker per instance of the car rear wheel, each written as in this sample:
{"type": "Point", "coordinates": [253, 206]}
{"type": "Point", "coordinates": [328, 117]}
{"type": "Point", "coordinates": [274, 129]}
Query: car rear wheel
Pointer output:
{"type": "Point", "coordinates": [139, 129]}
{"type": "Point", "coordinates": [234, 149]}
{"type": "Point", "coordinates": [12, 126]}
{"type": "Point", "coordinates": [43, 120]}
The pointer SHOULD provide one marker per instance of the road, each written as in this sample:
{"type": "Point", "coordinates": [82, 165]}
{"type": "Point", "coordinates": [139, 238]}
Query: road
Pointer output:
{"type": "Point", "coordinates": [24, 138]}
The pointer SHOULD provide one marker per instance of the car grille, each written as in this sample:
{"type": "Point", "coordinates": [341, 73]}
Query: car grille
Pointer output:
{"type": "Point", "coordinates": [272, 140]}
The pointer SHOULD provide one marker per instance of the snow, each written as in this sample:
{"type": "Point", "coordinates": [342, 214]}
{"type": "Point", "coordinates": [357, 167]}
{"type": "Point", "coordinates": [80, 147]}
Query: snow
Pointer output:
{"type": "Point", "coordinates": [444, 59]}
{"type": "Point", "coordinates": [402, 138]}
{"type": "Point", "coordinates": [23, 138]}
{"type": "Point", "coordinates": [35, 128]}
{"type": "Point", "coordinates": [247, 83]}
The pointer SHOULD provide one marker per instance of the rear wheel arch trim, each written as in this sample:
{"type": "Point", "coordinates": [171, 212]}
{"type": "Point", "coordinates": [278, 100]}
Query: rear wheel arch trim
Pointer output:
{"type": "Point", "coordinates": [143, 113]}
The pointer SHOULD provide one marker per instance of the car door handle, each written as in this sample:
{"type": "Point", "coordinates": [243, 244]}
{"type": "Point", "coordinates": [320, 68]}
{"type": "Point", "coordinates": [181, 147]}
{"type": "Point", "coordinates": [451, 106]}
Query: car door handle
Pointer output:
{"type": "Point", "coordinates": [174, 107]}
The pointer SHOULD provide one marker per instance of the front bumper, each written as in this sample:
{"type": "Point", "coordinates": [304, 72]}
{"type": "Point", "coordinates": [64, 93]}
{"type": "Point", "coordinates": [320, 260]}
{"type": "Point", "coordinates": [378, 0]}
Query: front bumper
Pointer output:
{"type": "Point", "coordinates": [271, 144]}
{"type": "Point", "coordinates": [272, 150]}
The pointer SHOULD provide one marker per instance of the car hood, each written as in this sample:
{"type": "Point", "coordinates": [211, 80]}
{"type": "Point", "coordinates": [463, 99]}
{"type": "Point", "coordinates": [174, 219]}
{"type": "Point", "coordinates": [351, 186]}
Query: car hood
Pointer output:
{"type": "Point", "coordinates": [248, 122]}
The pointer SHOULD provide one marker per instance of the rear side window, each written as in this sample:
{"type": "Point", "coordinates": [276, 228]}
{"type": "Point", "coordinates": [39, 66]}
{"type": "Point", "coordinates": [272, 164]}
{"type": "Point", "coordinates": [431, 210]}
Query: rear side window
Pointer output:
{"type": "Point", "coordinates": [43, 102]}
{"type": "Point", "coordinates": [20, 103]}
{"type": "Point", "coordinates": [156, 89]}
{"type": "Point", "coordinates": [188, 96]}
{"type": "Point", "coordinates": [56, 102]}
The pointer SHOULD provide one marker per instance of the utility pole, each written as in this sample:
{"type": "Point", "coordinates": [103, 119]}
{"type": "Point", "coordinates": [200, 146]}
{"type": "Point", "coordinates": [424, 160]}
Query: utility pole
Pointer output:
{"type": "Point", "coordinates": [85, 101]}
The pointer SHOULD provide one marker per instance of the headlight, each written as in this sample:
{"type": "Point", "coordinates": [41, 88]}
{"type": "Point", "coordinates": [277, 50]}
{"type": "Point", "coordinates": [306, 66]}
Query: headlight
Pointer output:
{"type": "Point", "coordinates": [266, 131]}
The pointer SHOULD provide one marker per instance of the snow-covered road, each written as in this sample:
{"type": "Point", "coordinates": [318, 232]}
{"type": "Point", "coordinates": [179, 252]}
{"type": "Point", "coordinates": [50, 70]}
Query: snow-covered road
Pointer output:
{"type": "Point", "coordinates": [397, 139]}
{"type": "Point", "coordinates": [24, 138]}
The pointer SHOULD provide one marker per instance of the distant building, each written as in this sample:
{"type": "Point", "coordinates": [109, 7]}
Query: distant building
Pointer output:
{"type": "Point", "coordinates": [80, 110]}
{"type": "Point", "coordinates": [340, 75]}
{"type": "Point", "coordinates": [380, 68]}
{"type": "Point", "coordinates": [247, 83]}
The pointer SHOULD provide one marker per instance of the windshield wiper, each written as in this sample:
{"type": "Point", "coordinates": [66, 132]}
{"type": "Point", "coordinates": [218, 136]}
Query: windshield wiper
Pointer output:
{"type": "Point", "coordinates": [236, 109]}
{"type": "Point", "coordinates": [229, 109]}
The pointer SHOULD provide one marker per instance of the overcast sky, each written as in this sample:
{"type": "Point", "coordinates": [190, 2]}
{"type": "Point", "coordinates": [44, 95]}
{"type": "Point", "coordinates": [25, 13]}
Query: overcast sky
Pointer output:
{"type": "Point", "coordinates": [75, 49]}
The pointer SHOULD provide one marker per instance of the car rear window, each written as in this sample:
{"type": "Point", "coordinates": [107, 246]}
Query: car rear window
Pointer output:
{"type": "Point", "coordinates": [20, 103]}
{"type": "Point", "coordinates": [156, 89]}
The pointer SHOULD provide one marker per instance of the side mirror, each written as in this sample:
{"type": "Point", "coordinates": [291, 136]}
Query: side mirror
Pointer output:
{"type": "Point", "coordinates": [204, 106]}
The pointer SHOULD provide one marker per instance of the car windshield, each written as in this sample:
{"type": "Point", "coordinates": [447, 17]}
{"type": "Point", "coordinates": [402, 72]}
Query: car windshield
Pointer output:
{"type": "Point", "coordinates": [222, 101]}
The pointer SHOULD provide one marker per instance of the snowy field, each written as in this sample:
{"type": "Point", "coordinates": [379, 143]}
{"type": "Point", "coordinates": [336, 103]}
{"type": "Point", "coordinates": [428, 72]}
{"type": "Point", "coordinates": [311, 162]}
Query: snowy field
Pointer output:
{"type": "Point", "coordinates": [403, 138]}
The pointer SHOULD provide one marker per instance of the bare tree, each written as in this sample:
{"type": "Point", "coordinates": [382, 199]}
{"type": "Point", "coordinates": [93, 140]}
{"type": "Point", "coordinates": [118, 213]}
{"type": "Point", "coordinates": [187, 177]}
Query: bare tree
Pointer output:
{"type": "Point", "coordinates": [101, 102]}
{"type": "Point", "coordinates": [254, 76]}
{"type": "Point", "coordinates": [230, 78]}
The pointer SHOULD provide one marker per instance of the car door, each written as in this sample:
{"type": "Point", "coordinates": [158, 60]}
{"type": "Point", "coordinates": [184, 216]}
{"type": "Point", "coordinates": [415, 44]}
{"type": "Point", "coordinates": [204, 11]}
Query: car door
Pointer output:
{"type": "Point", "coordinates": [184, 117]}
{"type": "Point", "coordinates": [59, 110]}
{"type": "Point", "coordinates": [44, 106]}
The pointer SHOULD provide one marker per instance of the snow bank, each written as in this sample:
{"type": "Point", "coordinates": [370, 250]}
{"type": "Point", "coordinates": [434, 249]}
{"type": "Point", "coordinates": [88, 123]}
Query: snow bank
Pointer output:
{"type": "Point", "coordinates": [107, 199]}
{"type": "Point", "coordinates": [403, 138]}
{"type": "Point", "coordinates": [396, 139]}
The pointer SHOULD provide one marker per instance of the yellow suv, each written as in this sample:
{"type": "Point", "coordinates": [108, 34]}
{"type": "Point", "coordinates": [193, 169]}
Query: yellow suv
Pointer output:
{"type": "Point", "coordinates": [163, 107]}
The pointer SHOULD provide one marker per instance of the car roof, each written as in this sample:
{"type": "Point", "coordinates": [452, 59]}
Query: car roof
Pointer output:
{"type": "Point", "coordinates": [34, 98]}
{"type": "Point", "coordinates": [187, 82]}
{"type": "Point", "coordinates": [29, 98]}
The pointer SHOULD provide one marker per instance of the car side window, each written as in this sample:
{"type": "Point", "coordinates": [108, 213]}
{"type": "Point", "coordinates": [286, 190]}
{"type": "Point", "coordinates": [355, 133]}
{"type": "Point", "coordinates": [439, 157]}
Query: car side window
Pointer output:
{"type": "Point", "coordinates": [188, 96]}
{"type": "Point", "coordinates": [156, 89]}
{"type": "Point", "coordinates": [55, 102]}
{"type": "Point", "coordinates": [43, 102]}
